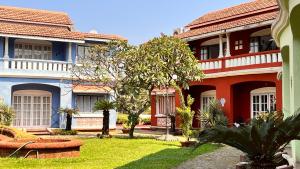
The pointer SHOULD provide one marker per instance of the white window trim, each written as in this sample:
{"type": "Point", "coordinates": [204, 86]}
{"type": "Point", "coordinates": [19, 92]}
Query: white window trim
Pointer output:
{"type": "Point", "coordinates": [259, 92]}
{"type": "Point", "coordinates": [91, 107]}
{"type": "Point", "coordinates": [33, 93]}
{"type": "Point", "coordinates": [209, 93]}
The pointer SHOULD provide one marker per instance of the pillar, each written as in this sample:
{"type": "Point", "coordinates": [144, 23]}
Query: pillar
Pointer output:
{"type": "Point", "coordinates": [227, 45]}
{"type": "Point", "coordinates": [225, 91]}
{"type": "Point", "coordinates": [221, 46]}
{"type": "Point", "coordinates": [6, 56]}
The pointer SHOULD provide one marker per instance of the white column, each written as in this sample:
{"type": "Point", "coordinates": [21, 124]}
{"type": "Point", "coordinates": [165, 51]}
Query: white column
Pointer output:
{"type": "Point", "coordinates": [227, 45]}
{"type": "Point", "coordinates": [6, 56]}
{"type": "Point", "coordinates": [221, 46]}
{"type": "Point", "coordinates": [70, 52]}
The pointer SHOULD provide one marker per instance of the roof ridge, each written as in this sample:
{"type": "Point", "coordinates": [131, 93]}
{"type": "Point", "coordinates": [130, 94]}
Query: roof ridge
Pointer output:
{"type": "Point", "coordinates": [33, 9]}
{"type": "Point", "coordinates": [194, 22]}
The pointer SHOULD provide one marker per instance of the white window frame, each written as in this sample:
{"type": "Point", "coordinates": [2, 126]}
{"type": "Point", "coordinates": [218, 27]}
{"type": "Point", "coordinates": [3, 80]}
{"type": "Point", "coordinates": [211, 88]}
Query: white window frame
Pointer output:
{"type": "Point", "coordinates": [209, 95]}
{"type": "Point", "coordinates": [265, 91]}
{"type": "Point", "coordinates": [23, 53]}
{"type": "Point", "coordinates": [238, 44]}
{"type": "Point", "coordinates": [91, 107]}
{"type": "Point", "coordinates": [161, 99]}
{"type": "Point", "coordinates": [43, 121]}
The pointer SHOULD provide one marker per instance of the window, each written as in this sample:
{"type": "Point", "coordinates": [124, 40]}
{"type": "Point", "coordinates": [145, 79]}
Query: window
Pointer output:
{"type": "Point", "coordinates": [209, 52]}
{"type": "Point", "coordinates": [86, 103]}
{"type": "Point", "coordinates": [33, 51]}
{"type": "Point", "coordinates": [254, 45]}
{"type": "Point", "coordinates": [262, 103]}
{"type": "Point", "coordinates": [203, 53]}
{"type": "Point", "coordinates": [165, 105]}
{"type": "Point", "coordinates": [82, 52]}
{"type": "Point", "coordinates": [206, 98]}
{"type": "Point", "coordinates": [238, 45]}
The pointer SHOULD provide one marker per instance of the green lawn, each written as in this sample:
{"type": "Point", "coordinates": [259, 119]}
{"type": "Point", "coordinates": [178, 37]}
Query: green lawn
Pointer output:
{"type": "Point", "coordinates": [117, 153]}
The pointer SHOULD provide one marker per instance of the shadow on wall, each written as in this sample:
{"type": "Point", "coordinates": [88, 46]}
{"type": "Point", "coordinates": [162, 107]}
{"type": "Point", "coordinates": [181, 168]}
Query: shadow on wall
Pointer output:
{"type": "Point", "coordinates": [168, 158]}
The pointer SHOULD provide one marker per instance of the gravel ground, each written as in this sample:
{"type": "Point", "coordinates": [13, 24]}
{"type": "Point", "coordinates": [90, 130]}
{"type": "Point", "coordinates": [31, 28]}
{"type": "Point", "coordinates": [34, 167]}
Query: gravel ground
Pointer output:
{"type": "Point", "coordinates": [223, 158]}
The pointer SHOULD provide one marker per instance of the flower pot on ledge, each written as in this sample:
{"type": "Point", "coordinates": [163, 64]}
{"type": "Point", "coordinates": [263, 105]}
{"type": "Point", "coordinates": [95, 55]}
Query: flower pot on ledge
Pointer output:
{"type": "Point", "coordinates": [188, 143]}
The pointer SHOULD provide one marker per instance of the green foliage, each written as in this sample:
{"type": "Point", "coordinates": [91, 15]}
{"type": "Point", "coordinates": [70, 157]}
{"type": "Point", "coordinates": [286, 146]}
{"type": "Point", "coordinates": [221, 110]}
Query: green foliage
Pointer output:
{"type": "Point", "coordinates": [146, 121]}
{"type": "Point", "coordinates": [260, 140]}
{"type": "Point", "coordinates": [6, 114]}
{"type": "Point", "coordinates": [69, 111]}
{"type": "Point", "coordinates": [122, 118]}
{"type": "Point", "coordinates": [186, 116]}
{"type": "Point", "coordinates": [64, 132]}
{"type": "Point", "coordinates": [215, 115]}
{"type": "Point", "coordinates": [104, 105]}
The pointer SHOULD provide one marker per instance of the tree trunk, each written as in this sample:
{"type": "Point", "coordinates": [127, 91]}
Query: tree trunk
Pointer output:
{"type": "Point", "coordinates": [105, 128]}
{"type": "Point", "coordinates": [131, 131]}
{"type": "Point", "coordinates": [173, 121]}
{"type": "Point", "coordinates": [69, 122]}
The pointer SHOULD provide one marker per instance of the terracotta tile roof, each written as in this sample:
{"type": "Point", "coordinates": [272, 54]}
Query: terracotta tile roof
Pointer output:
{"type": "Point", "coordinates": [252, 7]}
{"type": "Point", "coordinates": [90, 89]}
{"type": "Point", "coordinates": [50, 31]}
{"type": "Point", "coordinates": [103, 36]}
{"type": "Point", "coordinates": [230, 24]}
{"type": "Point", "coordinates": [34, 15]}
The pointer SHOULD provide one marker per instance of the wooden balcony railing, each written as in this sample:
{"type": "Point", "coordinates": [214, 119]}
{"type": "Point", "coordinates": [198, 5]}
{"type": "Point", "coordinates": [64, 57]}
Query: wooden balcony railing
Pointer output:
{"type": "Point", "coordinates": [245, 61]}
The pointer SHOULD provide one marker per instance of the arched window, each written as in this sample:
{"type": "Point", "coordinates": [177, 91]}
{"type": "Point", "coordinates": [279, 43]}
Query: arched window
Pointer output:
{"type": "Point", "coordinates": [263, 100]}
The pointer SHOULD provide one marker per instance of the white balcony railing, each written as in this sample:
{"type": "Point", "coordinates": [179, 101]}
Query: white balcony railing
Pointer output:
{"type": "Point", "coordinates": [40, 65]}
{"type": "Point", "coordinates": [246, 61]}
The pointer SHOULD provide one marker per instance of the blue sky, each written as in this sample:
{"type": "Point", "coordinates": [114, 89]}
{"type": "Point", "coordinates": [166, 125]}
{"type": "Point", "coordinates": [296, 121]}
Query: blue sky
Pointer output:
{"type": "Point", "coordinates": [137, 20]}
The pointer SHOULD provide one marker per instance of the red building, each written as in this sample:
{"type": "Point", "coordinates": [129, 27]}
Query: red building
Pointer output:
{"type": "Point", "coordinates": [240, 60]}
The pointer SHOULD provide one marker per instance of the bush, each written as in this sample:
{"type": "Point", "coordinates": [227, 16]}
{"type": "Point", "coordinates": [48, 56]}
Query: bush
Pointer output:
{"type": "Point", "coordinates": [122, 118]}
{"type": "Point", "coordinates": [6, 114]}
{"type": "Point", "coordinates": [146, 121]}
{"type": "Point", "coordinates": [64, 132]}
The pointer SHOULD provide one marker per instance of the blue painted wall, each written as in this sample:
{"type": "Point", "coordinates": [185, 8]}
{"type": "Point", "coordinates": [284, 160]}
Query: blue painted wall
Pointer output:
{"type": "Point", "coordinates": [1, 47]}
{"type": "Point", "coordinates": [59, 51]}
{"type": "Point", "coordinates": [55, 91]}
{"type": "Point", "coordinates": [11, 47]}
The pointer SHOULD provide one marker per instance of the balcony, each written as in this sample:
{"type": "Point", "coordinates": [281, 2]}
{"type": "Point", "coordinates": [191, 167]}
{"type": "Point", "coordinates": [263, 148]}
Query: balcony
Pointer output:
{"type": "Point", "coordinates": [242, 62]}
{"type": "Point", "coordinates": [35, 68]}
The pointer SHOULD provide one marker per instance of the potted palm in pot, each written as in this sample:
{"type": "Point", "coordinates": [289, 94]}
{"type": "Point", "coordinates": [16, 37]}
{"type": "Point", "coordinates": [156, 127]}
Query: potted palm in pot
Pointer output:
{"type": "Point", "coordinates": [186, 116]}
{"type": "Point", "coordinates": [261, 140]}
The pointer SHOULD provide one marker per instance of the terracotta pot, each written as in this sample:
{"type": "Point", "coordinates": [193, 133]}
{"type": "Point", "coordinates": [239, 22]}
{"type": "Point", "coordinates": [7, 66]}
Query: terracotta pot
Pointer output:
{"type": "Point", "coordinates": [125, 131]}
{"type": "Point", "coordinates": [188, 143]}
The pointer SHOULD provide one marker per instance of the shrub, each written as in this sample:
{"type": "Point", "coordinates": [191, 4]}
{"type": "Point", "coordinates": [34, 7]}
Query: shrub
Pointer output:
{"type": "Point", "coordinates": [64, 132]}
{"type": "Point", "coordinates": [186, 116]}
{"type": "Point", "coordinates": [214, 116]}
{"type": "Point", "coordinates": [122, 118]}
{"type": "Point", "coordinates": [6, 114]}
{"type": "Point", "coordinates": [146, 121]}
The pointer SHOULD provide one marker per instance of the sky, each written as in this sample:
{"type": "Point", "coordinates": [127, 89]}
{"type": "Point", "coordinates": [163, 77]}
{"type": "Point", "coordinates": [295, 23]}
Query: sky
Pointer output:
{"type": "Point", "coordinates": [136, 20]}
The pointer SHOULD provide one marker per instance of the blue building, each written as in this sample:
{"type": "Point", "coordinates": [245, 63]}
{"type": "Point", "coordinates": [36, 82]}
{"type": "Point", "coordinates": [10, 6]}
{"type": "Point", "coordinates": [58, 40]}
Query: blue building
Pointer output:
{"type": "Point", "coordinates": [37, 50]}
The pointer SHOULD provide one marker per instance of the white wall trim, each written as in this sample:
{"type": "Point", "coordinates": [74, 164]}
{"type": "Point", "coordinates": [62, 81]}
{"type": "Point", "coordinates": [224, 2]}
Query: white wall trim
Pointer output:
{"type": "Point", "coordinates": [243, 72]}
{"type": "Point", "coordinates": [32, 93]}
{"type": "Point", "coordinates": [41, 38]}
{"type": "Point", "coordinates": [264, 90]}
{"type": "Point", "coordinates": [211, 93]}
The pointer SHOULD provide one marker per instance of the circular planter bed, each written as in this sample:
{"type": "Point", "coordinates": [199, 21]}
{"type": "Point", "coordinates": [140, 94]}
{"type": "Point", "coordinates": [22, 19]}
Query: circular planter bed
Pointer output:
{"type": "Point", "coordinates": [188, 143]}
{"type": "Point", "coordinates": [41, 148]}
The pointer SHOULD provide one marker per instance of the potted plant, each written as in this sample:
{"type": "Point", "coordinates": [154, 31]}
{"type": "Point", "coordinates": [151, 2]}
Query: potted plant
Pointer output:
{"type": "Point", "coordinates": [69, 112]}
{"type": "Point", "coordinates": [262, 140]}
{"type": "Point", "coordinates": [126, 128]}
{"type": "Point", "coordinates": [105, 106]}
{"type": "Point", "coordinates": [186, 116]}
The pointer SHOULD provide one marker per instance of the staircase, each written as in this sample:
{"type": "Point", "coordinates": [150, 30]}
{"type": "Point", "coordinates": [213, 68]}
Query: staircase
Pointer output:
{"type": "Point", "coordinates": [38, 132]}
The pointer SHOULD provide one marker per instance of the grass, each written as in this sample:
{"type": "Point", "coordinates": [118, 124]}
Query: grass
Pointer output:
{"type": "Point", "coordinates": [117, 153]}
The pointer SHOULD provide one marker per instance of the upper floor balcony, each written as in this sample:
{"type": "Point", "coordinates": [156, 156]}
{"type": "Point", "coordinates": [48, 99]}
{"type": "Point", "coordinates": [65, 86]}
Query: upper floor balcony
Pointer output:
{"type": "Point", "coordinates": [36, 58]}
{"type": "Point", "coordinates": [256, 60]}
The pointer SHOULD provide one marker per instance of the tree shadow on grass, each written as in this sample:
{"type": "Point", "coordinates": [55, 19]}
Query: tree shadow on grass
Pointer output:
{"type": "Point", "coordinates": [167, 158]}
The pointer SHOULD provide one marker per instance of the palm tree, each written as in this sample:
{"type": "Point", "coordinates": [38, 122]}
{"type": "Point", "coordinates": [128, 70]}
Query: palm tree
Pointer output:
{"type": "Point", "coordinates": [70, 112]}
{"type": "Point", "coordinates": [266, 136]}
{"type": "Point", "coordinates": [104, 105]}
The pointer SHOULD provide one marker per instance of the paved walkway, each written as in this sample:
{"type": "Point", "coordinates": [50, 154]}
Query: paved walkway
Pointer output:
{"type": "Point", "coordinates": [223, 158]}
